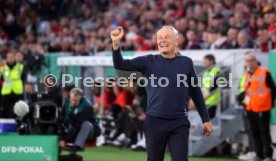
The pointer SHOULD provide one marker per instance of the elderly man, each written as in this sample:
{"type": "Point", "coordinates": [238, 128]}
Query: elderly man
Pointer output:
{"type": "Point", "coordinates": [244, 41]}
{"type": "Point", "coordinates": [80, 121]}
{"type": "Point", "coordinates": [260, 93]}
{"type": "Point", "coordinates": [166, 121]}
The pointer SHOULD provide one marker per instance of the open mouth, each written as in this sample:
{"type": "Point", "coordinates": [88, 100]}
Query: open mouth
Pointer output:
{"type": "Point", "coordinates": [163, 45]}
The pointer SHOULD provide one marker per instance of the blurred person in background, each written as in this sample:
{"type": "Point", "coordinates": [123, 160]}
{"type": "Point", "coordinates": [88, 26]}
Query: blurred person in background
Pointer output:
{"type": "Point", "coordinates": [80, 121]}
{"type": "Point", "coordinates": [244, 41]}
{"type": "Point", "coordinates": [79, 49]}
{"type": "Point", "coordinates": [3, 62]}
{"type": "Point", "coordinates": [273, 39]}
{"type": "Point", "coordinates": [123, 99]}
{"type": "Point", "coordinates": [138, 108]}
{"type": "Point", "coordinates": [232, 35]}
{"type": "Point", "coordinates": [192, 40]}
{"type": "Point", "coordinates": [263, 39]}
{"type": "Point", "coordinates": [52, 90]}
{"type": "Point", "coordinates": [211, 91]}
{"type": "Point", "coordinates": [206, 43]}
{"type": "Point", "coordinates": [19, 57]}
{"type": "Point", "coordinates": [108, 95]}
{"type": "Point", "coordinates": [30, 21]}
{"type": "Point", "coordinates": [249, 153]}
{"type": "Point", "coordinates": [260, 92]}
{"type": "Point", "coordinates": [34, 60]}
{"type": "Point", "coordinates": [65, 92]}
{"type": "Point", "coordinates": [219, 39]}
{"type": "Point", "coordinates": [13, 76]}
{"type": "Point", "coordinates": [29, 91]}
{"type": "Point", "coordinates": [120, 109]}
{"type": "Point", "coordinates": [97, 93]}
{"type": "Point", "coordinates": [240, 20]}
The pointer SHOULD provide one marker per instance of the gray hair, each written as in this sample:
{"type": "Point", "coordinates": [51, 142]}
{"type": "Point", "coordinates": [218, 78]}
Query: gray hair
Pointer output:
{"type": "Point", "coordinates": [245, 33]}
{"type": "Point", "coordinates": [171, 28]}
{"type": "Point", "coordinates": [76, 92]}
{"type": "Point", "coordinates": [251, 54]}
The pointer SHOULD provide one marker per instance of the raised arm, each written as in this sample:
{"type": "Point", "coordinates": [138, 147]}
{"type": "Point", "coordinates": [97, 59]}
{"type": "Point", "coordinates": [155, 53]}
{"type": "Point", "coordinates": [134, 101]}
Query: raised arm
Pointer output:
{"type": "Point", "coordinates": [136, 64]}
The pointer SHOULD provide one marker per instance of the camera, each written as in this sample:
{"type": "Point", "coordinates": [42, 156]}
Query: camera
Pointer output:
{"type": "Point", "coordinates": [45, 112]}
{"type": "Point", "coordinates": [42, 117]}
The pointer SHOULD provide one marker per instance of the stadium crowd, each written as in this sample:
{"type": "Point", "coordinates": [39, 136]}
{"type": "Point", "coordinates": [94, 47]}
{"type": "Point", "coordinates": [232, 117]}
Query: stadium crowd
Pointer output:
{"type": "Point", "coordinates": [81, 26]}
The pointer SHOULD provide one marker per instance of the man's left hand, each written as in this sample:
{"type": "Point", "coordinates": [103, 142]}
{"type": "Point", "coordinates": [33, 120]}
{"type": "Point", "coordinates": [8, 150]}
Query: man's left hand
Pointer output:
{"type": "Point", "coordinates": [207, 128]}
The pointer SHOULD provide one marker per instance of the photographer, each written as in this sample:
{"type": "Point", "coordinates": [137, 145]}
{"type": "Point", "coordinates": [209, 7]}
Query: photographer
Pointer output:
{"type": "Point", "coordinates": [80, 123]}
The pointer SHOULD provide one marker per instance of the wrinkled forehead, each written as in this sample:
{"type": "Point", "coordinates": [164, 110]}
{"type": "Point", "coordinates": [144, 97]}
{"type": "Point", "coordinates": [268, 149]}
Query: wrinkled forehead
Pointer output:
{"type": "Point", "coordinates": [165, 31]}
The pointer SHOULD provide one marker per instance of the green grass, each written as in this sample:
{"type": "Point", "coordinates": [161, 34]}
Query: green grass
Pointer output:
{"type": "Point", "coordinates": [114, 154]}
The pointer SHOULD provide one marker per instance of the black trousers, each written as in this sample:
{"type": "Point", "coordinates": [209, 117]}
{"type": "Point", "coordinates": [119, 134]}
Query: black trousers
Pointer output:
{"type": "Point", "coordinates": [212, 111]}
{"type": "Point", "coordinates": [8, 102]}
{"type": "Point", "coordinates": [260, 127]}
{"type": "Point", "coordinates": [159, 132]}
{"type": "Point", "coordinates": [251, 145]}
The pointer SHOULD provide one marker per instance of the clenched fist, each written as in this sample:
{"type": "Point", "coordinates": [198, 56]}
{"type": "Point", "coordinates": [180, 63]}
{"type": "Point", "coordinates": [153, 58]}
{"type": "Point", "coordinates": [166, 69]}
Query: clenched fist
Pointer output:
{"type": "Point", "coordinates": [116, 36]}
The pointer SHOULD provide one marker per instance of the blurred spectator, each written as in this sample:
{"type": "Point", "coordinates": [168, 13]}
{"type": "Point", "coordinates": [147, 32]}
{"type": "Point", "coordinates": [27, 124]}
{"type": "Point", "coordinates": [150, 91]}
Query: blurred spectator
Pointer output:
{"type": "Point", "coordinates": [206, 40]}
{"type": "Point", "coordinates": [108, 95]}
{"type": "Point", "coordinates": [244, 41]}
{"type": "Point", "coordinates": [192, 40]}
{"type": "Point", "coordinates": [19, 57]}
{"type": "Point", "coordinates": [232, 34]}
{"type": "Point", "coordinates": [263, 39]}
{"type": "Point", "coordinates": [123, 99]}
{"type": "Point", "coordinates": [34, 58]}
{"type": "Point", "coordinates": [66, 93]}
{"type": "Point", "coordinates": [53, 93]}
{"type": "Point", "coordinates": [219, 40]}
{"type": "Point", "coordinates": [81, 27]}
{"type": "Point", "coordinates": [273, 39]}
{"type": "Point", "coordinates": [79, 49]}
{"type": "Point", "coordinates": [240, 20]}
{"type": "Point", "coordinates": [29, 91]}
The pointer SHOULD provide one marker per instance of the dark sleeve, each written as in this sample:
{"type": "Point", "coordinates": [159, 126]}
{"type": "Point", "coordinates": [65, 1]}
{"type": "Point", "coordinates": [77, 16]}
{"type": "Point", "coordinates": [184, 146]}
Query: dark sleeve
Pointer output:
{"type": "Point", "coordinates": [136, 64]}
{"type": "Point", "coordinates": [197, 96]}
{"type": "Point", "coordinates": [270, 83]}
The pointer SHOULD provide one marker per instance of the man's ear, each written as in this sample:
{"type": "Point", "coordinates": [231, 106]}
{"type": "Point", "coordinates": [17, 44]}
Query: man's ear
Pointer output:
{"type": "Point", "coordinates": [176, 42]}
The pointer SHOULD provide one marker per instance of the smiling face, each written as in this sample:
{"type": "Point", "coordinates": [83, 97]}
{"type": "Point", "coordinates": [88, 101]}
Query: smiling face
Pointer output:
{"type": "Point", "coordinates": [167, 40]}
